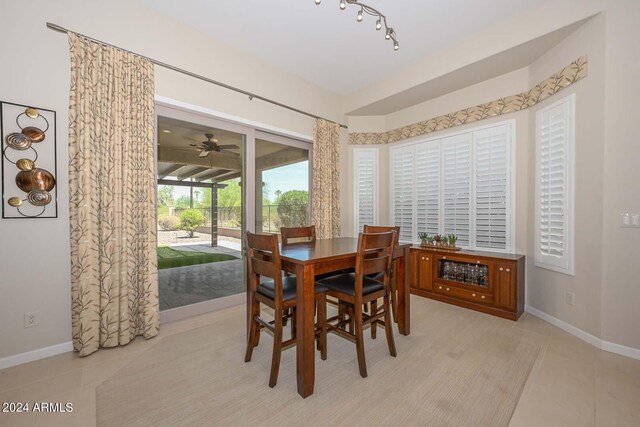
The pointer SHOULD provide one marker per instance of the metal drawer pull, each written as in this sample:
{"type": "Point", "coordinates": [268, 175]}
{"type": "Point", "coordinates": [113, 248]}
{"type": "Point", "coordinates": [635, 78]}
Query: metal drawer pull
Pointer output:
{"type": "Point", "coordinates": [482, 296]}
{"type": "Point", "coordinates": [423, 258]}
{"type": "Point", "coordinates": [439, 287]}
{"type": "Point", "coordinates": [427, 258]}
{"type": "Point", "coordinates": [501, 268]}
{"type": "Point", "coordinates": [477, 262]}
{"type": "Point", "coordinates": [473, 295]}
{"type": "Point", "coordinates": [447, 289]}
{"type": "Point", "coordinates": [508, 269]}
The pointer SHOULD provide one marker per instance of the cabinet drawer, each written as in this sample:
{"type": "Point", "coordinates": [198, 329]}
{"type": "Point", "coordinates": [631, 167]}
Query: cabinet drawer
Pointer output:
{"type": "Point", "coordinates": [466, 294]}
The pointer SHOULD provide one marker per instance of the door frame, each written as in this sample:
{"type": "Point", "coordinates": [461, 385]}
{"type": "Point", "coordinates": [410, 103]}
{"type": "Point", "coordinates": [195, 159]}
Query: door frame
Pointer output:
{"type": "Point", "coordinates": [190, 113]}
{"type": "Point", "coordinates": [248, 194]}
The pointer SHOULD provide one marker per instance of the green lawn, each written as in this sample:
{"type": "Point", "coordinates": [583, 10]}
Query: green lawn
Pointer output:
{"type": "Point", "coordinates": [169, 258]}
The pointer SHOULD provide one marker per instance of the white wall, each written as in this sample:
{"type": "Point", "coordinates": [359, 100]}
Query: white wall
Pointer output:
{"type": "Point", "coordinates": [621, 246]}
{"type": "Point", "coordinates": [546, 289]}
{"type": "Point", "coordinates": [34, 254]}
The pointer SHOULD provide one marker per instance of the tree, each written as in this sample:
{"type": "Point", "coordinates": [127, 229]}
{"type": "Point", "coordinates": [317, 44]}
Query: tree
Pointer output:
{"type": "Point", "coordinates": [293, 207]}
{"type": "Point", "coordinates": [190, 220]}
{"type": "Point", "coordinates": [183, 202]}
{"type": "Point", "coordinates": [231, 195]}
{"type": "Point", "coordinates": [165, 195]}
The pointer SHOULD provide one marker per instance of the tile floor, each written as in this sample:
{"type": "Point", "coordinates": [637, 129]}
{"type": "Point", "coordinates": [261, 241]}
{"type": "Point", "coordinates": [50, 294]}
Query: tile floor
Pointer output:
{"type": "Point", "coordinates": [181, 286]}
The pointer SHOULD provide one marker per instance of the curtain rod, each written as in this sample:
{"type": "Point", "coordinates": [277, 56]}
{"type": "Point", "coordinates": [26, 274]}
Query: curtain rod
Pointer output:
{"type": "Point", "coordinates": [251, 96]}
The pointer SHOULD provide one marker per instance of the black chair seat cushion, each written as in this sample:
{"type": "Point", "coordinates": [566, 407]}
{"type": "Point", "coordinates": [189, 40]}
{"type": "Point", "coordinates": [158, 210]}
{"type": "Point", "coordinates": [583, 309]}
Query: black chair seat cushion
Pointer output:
{"type": "Point", "coordinates": [345, 283]}
{"type": "Point", "coordinates": [288, 288]}
{"type": "Point", "coordinates": [375, 276]}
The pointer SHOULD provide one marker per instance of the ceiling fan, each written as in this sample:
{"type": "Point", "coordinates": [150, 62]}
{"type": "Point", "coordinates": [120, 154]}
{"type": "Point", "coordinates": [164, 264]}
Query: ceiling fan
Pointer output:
{"type": "Point", "coordinates": [210, 145]}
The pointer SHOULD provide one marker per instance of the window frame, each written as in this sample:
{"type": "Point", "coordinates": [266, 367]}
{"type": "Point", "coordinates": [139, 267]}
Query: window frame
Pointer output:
{"type": "Point", "coordinates": [376, 174]}
{"type": "Point", "coordinates": [567, 263]}
{"type": "Point", "coordinates": [511, 182]}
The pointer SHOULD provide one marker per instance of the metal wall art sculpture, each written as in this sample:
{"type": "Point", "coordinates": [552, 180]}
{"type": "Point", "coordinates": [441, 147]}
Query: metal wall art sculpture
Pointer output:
{"type": "Point", "coordinates": [28, 161]}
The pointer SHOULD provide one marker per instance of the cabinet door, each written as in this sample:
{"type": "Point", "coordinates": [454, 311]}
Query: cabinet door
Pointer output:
{"type": "Point", "coordinates": [424, 262]}
{"type": "Point", "coordinates": [507, 275]}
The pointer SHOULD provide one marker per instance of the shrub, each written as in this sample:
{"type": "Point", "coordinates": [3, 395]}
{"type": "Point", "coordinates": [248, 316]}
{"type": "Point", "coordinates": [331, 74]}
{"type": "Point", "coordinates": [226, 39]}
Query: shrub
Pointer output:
{"type": "Point", "coordinates": [292, 208]}
{"type": "Point", "coordinates": [168, 223]}
{"type": "Point", "coordinates": [191, 219]}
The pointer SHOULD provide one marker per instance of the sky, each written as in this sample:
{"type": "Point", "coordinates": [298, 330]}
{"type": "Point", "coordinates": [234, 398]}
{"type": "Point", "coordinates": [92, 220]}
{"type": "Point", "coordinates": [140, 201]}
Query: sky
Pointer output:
{"type": "Point", "coordinates": [285, 178]}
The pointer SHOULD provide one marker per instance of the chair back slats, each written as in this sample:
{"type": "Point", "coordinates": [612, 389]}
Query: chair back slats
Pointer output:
{"type": "Point", "coordinates": [263, 259]}
{"type": "Point", "coordinates": [375, 252]}
{"type": "Point", "coordinates": [298, 234]}
{"type": "Point", "coordinates": [263, 268]}
{"type": "Point", "coordinates": [382, 229]}
{"type": "Point", "coordinates": [374, 265]}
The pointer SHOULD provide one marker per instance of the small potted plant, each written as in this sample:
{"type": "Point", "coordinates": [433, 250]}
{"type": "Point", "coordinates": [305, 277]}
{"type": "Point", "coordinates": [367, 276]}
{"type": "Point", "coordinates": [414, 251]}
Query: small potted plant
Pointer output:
{"type": "Point", "coordinates": [438, 239]}
{"type": "Point", "coordinates": [425, 239]}
{"type": "Point", "coordinates": [452, 239]}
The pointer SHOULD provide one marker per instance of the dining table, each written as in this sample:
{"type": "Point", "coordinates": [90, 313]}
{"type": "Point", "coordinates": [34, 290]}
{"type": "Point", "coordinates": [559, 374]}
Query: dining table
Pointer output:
{"type": "Point", "coordinates": [306, 260]}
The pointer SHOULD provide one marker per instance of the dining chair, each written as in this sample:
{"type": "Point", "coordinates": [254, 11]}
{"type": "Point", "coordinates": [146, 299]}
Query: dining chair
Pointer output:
{"type": "Point", "coordinates": [394, 294]}
{"type": "Point", "coordinates": [291, 235]}
{"type": "Point", "coordinates": [279, 293]}
{"type": "Point", "coordinates": [374, 255]}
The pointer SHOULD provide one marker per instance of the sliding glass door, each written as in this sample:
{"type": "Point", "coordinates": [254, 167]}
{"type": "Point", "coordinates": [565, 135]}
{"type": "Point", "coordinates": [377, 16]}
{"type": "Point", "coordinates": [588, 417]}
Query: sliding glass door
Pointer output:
{"type": "Point", "coordinates": [201, 164]}
{"type": "Point", "coordinates": [204, 206]}
{"type": "Point", "coordinates": [282, 183]}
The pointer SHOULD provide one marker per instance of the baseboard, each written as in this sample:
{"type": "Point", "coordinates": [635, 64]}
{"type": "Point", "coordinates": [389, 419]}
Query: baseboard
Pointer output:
{"type": "Point", "coordinates": [30, 356]}
{"type": "Point", "coordinates": [622, 350]}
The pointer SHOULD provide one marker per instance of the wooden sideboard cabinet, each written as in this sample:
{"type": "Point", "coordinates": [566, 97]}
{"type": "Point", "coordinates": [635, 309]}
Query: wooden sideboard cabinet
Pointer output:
{"type": "Point", "coordinates": [484, 281]}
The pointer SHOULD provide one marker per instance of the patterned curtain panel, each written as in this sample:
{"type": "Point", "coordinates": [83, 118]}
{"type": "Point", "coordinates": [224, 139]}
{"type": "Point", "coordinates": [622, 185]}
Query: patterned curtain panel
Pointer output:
{"type": "Point", "coordinates": [114, 277]}
{"type": "Point", "coordinates": [325, 208]}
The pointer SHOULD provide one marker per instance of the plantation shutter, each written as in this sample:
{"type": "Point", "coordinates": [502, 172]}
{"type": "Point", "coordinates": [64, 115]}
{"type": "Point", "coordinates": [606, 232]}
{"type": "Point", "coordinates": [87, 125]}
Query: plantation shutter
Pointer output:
{"type": "Point", "coordinates": [428, 187]}
{"type": "Point", "coordinates": [366, 187]}
{"type": "Point", "coordinates": [553, 165]}
{"type": "Point", "coordinates": [402, 185]}
{"type": "Point", "coordinates": [456, 168]}
{"type": "Point", "coordinates": [491, 187]}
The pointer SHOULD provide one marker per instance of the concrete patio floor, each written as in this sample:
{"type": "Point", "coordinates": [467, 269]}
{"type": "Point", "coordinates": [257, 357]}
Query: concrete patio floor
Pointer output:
{"type": "Point", "coordinates": [181, 286]}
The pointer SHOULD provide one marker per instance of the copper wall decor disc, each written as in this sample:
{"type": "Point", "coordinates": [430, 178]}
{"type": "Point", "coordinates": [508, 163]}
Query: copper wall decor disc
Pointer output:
{"type": "Point", "coordinates": [32, 113]}
{"type": "Point", "coordinates": [35, 179]}
{"type": "Point", "coordinates": [14, 201]}
{"type": "Point", "coordinates": [18, 141]}
{"type": "Point", "coordinates": [25, 164]}
{"type": "Point", "coordinates": [36, 134]}
{"type": "Point", "coordinates": [39, 197]}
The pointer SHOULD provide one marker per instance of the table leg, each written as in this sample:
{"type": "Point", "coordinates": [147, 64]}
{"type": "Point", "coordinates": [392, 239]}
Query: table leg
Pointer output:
{"type": "Point", "coordinates": [402, 282]}
{"type": "Point", "coordinates": [305, 318]}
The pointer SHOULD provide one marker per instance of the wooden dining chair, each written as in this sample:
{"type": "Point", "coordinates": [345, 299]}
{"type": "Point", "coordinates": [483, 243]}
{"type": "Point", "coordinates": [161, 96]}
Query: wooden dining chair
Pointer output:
{"type": "Point", "coordinates": [292, 235]}
{"type": "Point", "coordinates": [375, 253]}
{"type": "Point", "coordinates": [279, 293]}
{"type": "Point", "coordinates": [394, 286]}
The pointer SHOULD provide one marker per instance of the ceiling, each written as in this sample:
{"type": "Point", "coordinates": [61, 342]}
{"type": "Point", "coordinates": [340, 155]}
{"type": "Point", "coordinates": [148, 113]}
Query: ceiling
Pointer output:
{"type": "Point", "coordinates": [488, 68]}
{"type": "Point", "coordinates": [177, 158]}
{"type": "Point", "coordinates": [322, 43]}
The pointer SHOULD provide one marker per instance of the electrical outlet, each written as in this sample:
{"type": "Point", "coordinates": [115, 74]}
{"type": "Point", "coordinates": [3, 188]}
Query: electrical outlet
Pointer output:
{"type": "Point", "coordinates": [570, 298]}
{"type": "Point", "coordinates": [31, 319]}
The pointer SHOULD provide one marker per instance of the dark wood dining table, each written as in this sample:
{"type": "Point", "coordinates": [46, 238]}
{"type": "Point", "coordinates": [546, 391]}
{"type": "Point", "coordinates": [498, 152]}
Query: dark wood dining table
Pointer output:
{"type": "Point", "coordinates": [306, 260]}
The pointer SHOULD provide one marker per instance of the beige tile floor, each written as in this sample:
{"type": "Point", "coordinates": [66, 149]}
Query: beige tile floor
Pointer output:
{"type": "Point", "coordinates": [571, 384]}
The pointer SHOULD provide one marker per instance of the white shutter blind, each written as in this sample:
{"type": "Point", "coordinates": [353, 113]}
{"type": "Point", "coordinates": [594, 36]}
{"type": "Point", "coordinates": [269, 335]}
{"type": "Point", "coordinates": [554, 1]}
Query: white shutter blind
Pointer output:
{"type": "Point", "coordinates": [491, 187]}
{"type": "Point", "coordinates": [457, 186]}
{"type": "Point", "coordinates": [366, 188]}
{"type": "Point", "coordinates": [554, 160]}
{"type": "Point", "coordinates": [428, 187]}
{"type": "Point", "coordinates": [402, 185]}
